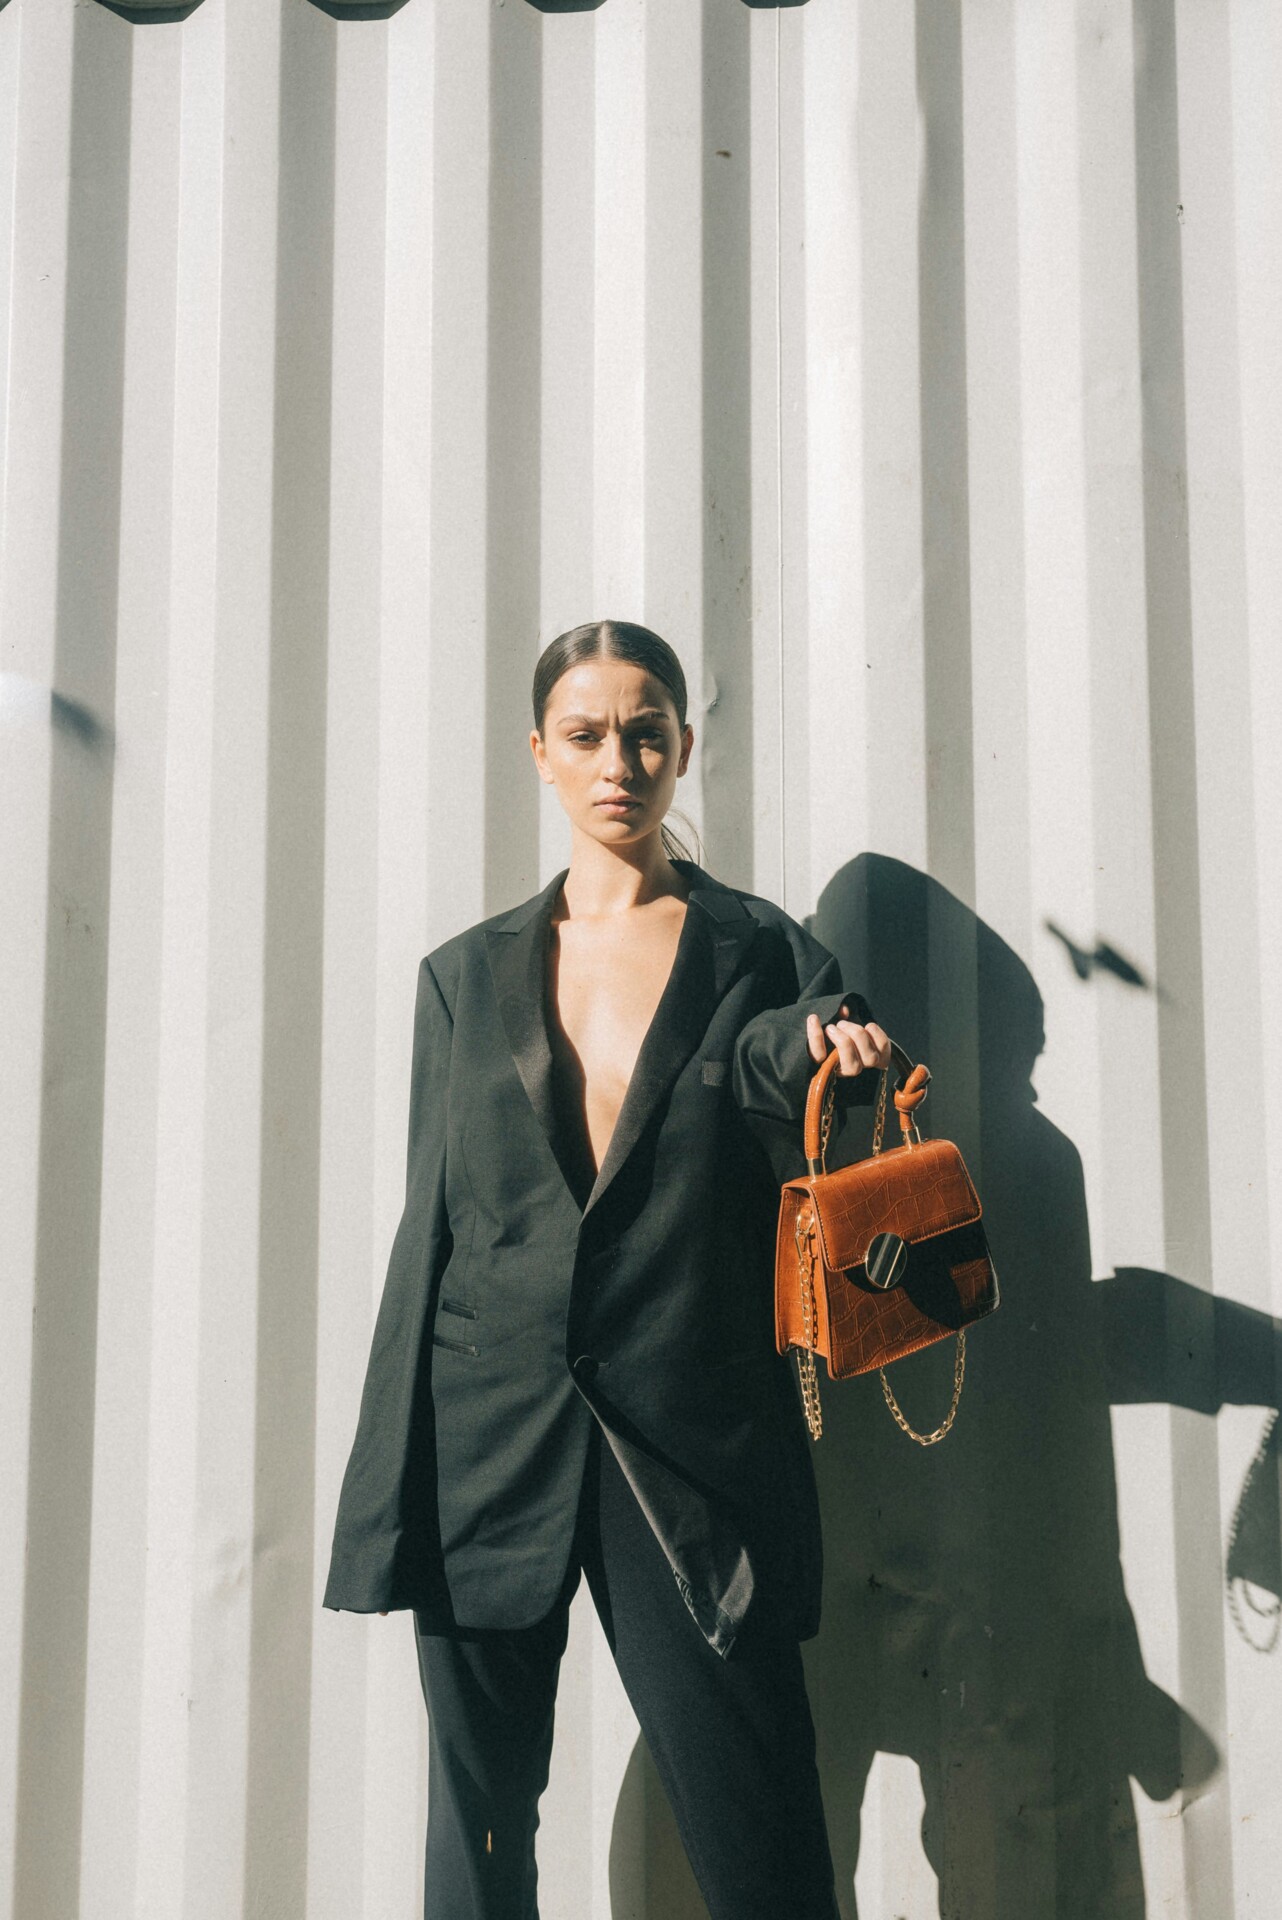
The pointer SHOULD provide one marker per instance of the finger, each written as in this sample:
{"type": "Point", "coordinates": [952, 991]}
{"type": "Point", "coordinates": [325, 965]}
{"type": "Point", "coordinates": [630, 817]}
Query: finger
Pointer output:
{"type": "Point", "coordinates": [865, 1046]}
{"type": "Point", "coordinates": [840, 1036]}
{"type": "Point", "coordinates": [815, 1036]}
{"type": "Point", "coordinates": [864, 1050]}
{"type": "Point", "coordinates": [882, 1038]}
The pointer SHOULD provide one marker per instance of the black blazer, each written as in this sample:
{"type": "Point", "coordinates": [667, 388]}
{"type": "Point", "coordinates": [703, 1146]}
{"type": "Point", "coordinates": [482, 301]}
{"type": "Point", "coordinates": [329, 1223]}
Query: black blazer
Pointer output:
{"type": "Point", "coordinates": [518, 1307]}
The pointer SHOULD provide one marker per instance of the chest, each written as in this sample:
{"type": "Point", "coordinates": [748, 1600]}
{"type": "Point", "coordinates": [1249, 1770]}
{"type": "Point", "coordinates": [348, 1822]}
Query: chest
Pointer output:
{"type": "Point", "coordinates": [604, 987]}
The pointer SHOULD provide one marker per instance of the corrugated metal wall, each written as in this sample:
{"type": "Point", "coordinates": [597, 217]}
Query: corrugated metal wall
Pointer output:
{"type": "Point", "coordinates": [915, 370]}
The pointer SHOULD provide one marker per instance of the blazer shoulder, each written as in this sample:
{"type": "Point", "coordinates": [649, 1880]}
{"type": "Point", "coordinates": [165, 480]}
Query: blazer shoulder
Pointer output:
{"type": "Point", "coordinates": [781, 930]}
{"type": "Point", "coordinates": [462, 950]}
{"type": "Point", "coordinates": [446, 962]}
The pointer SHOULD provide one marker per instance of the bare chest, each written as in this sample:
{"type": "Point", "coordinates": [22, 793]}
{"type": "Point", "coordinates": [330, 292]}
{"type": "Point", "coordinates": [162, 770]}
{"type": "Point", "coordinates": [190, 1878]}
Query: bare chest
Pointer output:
{"type": "Point", "coordinates": [605, 984]}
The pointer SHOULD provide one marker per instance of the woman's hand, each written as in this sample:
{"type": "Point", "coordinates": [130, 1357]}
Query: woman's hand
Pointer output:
{"type": "Point", "coordinates": [858, 1046]}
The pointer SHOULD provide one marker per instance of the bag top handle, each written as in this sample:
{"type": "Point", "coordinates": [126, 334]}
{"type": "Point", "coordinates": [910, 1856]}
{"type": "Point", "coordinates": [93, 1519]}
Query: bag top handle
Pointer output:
{"type": "Point", "coordinates": [909, 1094]}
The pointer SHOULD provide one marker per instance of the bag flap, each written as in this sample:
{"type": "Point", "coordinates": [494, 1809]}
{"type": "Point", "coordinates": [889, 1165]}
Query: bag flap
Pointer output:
{"type": "Point", "coordinates": [915, 1192]}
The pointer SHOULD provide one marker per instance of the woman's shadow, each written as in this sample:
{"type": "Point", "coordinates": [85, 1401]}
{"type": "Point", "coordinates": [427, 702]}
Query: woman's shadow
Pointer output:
{"type": "Point", "coordinates": [975, 1616]}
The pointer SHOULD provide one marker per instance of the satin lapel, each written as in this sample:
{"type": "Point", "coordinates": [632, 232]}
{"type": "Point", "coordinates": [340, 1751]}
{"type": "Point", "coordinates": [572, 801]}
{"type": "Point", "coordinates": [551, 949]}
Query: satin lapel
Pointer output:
{"type": "Point", "coordinates": [518, 949]}
{"type": "Point", "coordinates": [714, 937]}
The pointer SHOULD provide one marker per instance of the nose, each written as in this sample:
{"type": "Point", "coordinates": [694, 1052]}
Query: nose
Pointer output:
{"type": "Point", "coordinates": [618, 764]}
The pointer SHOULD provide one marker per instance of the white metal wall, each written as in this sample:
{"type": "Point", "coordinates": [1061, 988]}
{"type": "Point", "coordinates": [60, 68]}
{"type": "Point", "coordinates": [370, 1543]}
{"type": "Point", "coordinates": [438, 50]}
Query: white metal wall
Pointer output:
{"type": "Point", "coordinates": [915, 370]}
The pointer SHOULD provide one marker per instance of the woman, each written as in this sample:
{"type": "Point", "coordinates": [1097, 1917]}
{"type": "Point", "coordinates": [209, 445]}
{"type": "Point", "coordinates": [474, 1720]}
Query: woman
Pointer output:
{"type": "Point", "coordinates": [573, 1367]}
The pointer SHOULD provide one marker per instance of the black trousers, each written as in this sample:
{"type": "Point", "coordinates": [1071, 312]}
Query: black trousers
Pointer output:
{"type": "Point", "coordinates": [731, 1737]}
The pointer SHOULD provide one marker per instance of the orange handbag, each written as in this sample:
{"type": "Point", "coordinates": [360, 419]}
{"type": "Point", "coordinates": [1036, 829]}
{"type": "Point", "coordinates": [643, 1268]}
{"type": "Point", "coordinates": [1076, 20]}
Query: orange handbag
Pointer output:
{"type": "Point", "coordinates": [878, 1259]}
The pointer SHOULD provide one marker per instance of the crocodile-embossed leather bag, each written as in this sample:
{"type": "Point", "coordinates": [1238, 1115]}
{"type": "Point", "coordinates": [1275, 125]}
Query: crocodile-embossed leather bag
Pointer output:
{"type": "Point", "coordinates": [876, 1260]}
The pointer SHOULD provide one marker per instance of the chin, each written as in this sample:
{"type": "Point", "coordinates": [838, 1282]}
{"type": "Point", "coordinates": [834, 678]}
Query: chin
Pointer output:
{"type": "Point", "coordinates": [603, 828]}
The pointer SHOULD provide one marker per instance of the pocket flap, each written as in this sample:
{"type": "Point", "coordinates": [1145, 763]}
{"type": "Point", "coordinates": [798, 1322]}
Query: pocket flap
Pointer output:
{"type": "Point", "coordinates": [915, 1192]}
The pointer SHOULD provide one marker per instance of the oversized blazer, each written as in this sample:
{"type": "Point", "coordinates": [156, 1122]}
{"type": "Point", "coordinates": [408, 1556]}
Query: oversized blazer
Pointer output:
{"type": "Point", "coordinates": [522, 1303]}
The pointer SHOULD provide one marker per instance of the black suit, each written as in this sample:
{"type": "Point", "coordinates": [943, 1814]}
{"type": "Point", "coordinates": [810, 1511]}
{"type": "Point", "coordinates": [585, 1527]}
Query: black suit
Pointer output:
{"type": "Point", "coordinates": [519, 1306]}
{"type": "Point", "coordinates": [569, 1371]}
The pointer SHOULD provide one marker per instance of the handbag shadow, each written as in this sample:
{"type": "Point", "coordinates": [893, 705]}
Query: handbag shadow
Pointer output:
{"type": "Point", "coordinates": [975, 1616]}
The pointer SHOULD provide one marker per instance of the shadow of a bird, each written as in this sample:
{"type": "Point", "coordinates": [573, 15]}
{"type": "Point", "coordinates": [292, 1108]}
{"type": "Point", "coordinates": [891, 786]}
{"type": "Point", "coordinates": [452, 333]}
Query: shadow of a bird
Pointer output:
{"type": "Point", "coordinates": [1103, 959]}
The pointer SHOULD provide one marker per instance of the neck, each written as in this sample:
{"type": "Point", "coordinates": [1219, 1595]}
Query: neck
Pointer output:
{"type": "Point", "coordinates": [606, 880]}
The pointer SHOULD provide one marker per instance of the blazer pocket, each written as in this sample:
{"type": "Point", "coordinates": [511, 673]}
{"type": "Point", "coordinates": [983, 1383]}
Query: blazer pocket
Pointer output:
{"type": "Point", "coordinates": [457, 1306]}
{"type": "Point", "coordinates": [454, 1346]}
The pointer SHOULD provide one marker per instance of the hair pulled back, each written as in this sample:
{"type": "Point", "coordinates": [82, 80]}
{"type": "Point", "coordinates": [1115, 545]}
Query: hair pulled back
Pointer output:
{"type": "Point", "coordinates": [618, 640]}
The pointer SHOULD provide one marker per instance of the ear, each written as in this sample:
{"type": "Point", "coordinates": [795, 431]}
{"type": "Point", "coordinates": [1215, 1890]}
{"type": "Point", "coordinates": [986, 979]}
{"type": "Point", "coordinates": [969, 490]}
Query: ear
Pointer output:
{"type": "Point", "coordinates": [540, 756]}
{"type": "Point", "coordinates": [687, 744]}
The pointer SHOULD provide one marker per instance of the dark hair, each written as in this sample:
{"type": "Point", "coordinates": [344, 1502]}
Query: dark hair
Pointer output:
{"type": "Point", "coordinates": [618, 640]}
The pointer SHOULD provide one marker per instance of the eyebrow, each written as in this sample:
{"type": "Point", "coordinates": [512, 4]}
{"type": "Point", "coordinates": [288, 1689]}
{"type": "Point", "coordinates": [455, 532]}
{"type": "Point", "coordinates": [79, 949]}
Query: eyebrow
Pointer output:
{"type": "Point", "coordinates": [594, 720]}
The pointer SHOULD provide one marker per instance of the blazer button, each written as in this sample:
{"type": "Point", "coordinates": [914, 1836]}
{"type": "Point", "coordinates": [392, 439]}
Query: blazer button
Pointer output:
{"type": "Point", "coordinates": [585, 1367]}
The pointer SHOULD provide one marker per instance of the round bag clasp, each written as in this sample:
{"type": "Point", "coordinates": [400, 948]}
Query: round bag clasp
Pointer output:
{"type": "Point", "coordinates": [886, 1261]}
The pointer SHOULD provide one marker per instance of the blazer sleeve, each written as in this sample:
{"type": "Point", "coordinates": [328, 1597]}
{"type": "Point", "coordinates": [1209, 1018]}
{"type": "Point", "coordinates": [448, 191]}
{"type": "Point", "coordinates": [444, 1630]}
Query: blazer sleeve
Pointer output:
{"type": "Point", "coordinates": [773, 1064]}
{"type": "Point", "coordinates": [379, 1530]}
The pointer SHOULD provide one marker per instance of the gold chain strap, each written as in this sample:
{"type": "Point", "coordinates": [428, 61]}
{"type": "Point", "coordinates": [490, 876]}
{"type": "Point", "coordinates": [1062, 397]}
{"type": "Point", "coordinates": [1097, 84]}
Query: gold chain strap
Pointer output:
{"type": "Point", "coordinates": [825, 1118]}
{"type": "Point", "coordinates": [804, 1236]}
{"type": "Point", "coordinates": [802, 1233]}
{"type": "Point", "coordinates": [959, 1375]}
{"type": "Point", "coordinates": [880, 1121]}
{"type": "Point", "coordinates": [959, 1365]}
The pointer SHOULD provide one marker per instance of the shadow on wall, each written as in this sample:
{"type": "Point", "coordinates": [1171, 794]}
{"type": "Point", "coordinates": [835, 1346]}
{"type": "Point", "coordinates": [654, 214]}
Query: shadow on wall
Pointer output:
{"type": "Point", "coordinates": [975, 1617]}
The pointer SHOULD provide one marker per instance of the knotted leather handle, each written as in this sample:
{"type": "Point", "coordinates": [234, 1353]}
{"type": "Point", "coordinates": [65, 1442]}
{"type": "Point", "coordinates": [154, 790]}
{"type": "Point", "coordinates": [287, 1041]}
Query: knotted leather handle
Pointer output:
{"type": "Point", "coordinates": [909, 1094]}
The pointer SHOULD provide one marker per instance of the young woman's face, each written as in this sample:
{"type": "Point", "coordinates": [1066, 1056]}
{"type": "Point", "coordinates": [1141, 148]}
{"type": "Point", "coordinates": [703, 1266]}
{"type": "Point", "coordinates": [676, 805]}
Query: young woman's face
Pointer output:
{"type": "Point", "coordinates": [610, 732]}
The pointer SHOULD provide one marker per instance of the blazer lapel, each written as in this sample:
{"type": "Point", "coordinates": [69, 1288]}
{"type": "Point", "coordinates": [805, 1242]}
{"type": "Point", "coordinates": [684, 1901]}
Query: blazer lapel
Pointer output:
{"type": "Point", "coordinates": [518, 950]}
{"type": "Point", "coordinates": [715, 936]}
